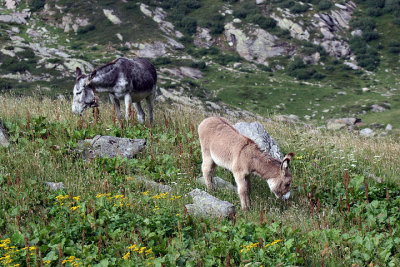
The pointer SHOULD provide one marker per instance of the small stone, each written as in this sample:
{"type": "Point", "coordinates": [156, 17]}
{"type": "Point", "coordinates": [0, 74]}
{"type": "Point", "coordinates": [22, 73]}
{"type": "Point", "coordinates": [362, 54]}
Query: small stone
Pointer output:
{"type": "Point", "coordinates": [236, 20]}
{"type": "Point", "coordinates": [377, 108]}
{"type": "Point", "coordinates": [206, 205]}
{"type": "Point", "coordinates": [55, 186]}
{"type": "Point", "coordinates": [153, 185]}
{"type": "Point", "coordinates": [119, 36]}
{"type": "Point", "coordinates": [365, 89]}
{"type": "Point", "coordinates": [389, 127]}
{"type": "Point", "coordinates": [367, 132]}
{"type": "Point", "coordinates": [219, 183]}
{"type": "Point", "coordinates": [3, 136]}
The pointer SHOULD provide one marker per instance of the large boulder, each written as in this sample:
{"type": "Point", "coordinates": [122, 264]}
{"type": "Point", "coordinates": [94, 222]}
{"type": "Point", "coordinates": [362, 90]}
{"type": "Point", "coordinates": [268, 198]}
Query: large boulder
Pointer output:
{"type": "Point", "coordinates": [255, 44]}
{"type": "Point", "coordinates": [256, 132]}
{"type": "Point", "coordinates": [219, 183]}
{"type": "Point", "coordinates": [17, 18]}
{"type": "Point", "coordinates": [206, 205]}
{"type": "Point", "coordinates": [3, 135]}
{"type": "Point", "coordinates": [110, 147]}
{"type": "Point", "coordinates": [296, 31]}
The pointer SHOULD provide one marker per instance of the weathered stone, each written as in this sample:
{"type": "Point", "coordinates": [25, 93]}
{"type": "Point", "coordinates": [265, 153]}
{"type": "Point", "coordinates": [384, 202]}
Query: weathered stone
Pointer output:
{"type": "Point", "coordinates": [17, 18]}
{"type": "Point", "coordinates": [337, 48]}
{"type": "Point", "coordinates": [111, 17]}
{"type": "Point", "coordinates": [149, 184]}
{"type": "Point", "coordinates": [377, 108]}
{"type": "Point", "coordinates": [336, 124]}
{"type": "Point", "coordinates": [256, 45]}
{"type": "Point", "coordinates": [256, 132]}
{"type": "Point", "coordinates": [367, 132]}
{"type": "Point", "coordinates": [159, 16]}
{"type": "Point", "coordinates": [12, 4]}
{"type": "Point", "coordinates": [157, 49]}
{"type": "Point", "coordinates": [389, 127]}
{"type": "Point", "coordinates": [259, 2]}
{"type": "Point", "coordinates": [110, 147]}
{"type": "Point", "coordinates": [206, 205]}
{"type": "Point", "coordinates": [203, 38]}
{"type": "Point", "coordinates": [219, 183]}
{"type": "Point", "coordinates": [119, 36]}
{"type": "Point", "coordinates": [4, 141]}
{"type": "Point", "coordinates": [296, 31]}
{"type": "Point", "coordinates": [55, 186]}
{"type": "Point", "coordinates": [191, 72]}
{"type": "Point", "coordinates": [287, 118]}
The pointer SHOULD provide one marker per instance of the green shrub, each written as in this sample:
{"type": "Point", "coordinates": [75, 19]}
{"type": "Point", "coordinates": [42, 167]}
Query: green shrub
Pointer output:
{"type": "Point", "coordinates": [27, 53]}
{"type": "Point", "coordinates": [37, 5]}
{"type": "Point", "coordinates": [324, 5]}
{"type": "Point", "coordinates": [370, 36]}
{"type": "Point", "coordinates": [162, 61]}
{"type": "Point", "coordinates": [5, 85]}
{"type": "Point", "coordinates": [224, 59]}
{"type": "Point", "coordinates": [86, 29]}
{"type": "Point", "coordinates": [54, 60]}
{"type": "Point", "coordinates": [365, 24]}
{"type": "Point", "coordinates": [263, 22]}
{"type": "Point", "coordinates": [240, 13]}
{"type": "Point", "coordinates": [198, 65]}
{"type": "Point", "coordinates": [374, 12]}
{"type": "Point", "coordinates": [298, 8]}
{"type": "Point", "coordinates": [188, 25]}
{"type": "Point", "coordinates": [287, 4]}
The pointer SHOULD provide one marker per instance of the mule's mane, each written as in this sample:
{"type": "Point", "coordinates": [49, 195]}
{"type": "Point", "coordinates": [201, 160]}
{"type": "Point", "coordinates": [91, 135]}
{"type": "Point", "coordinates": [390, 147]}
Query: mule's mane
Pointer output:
{"type": "Point", "coordinates": [94, 72]}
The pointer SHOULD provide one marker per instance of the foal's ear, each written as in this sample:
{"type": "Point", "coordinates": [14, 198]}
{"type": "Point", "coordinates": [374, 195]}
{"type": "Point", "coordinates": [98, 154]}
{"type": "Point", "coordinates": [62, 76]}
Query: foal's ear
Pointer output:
{"type": "Point", "coordinates": [286, 160]}
{"type": "Point", "coordinates": [78, 72]}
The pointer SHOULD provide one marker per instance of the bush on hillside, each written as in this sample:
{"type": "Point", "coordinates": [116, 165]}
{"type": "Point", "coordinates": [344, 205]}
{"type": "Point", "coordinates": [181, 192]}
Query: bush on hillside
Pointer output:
{"type": "Point", "coordinates": [12, 64]}
{"type": "Point", "coordinates": [263, 22]}
{"type": "Point", "coordinates": [188, 25]}
{"type": "Point", "coordinates": [37, 5]}
{"type": "Point", "coordinates": [324, 5]}
{"type": "Point", "coordinates": [298, 8]}
{"type": "Point", "coordinates": [5, 85]}
{"type": "Point", "coordinates": [27, 53]}
{"type": "Point", "coordinates": [86, 29]}
{"type": "Point", "coordinates": [224, 59]}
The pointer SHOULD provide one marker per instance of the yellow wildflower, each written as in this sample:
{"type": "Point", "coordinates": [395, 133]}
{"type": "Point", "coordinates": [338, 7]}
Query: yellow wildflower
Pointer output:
{"type": "Point", "coordinates": [146, 193]}
{"type": "Point", "coordinates": [77, 198]}
{"type": "Point", "coordinates": [126, 256]}
{"type": "Point", "coordinates": [75, 208]}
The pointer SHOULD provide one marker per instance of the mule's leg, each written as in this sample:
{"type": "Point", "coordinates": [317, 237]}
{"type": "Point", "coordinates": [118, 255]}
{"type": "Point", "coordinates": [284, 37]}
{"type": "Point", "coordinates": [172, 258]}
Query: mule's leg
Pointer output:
{"type": "Point", "coordinates": [139, 112]}
{"type": "Point", "coordinates": [115, 102]}
{"type": "Point", "coordinates": [128, 103]}
{"type": "Point", "coordinates": [208, 167]}
{"type": "Point", "coordinates": [243, 185]}
{"type": "Point", "coordinates": [150, 104]}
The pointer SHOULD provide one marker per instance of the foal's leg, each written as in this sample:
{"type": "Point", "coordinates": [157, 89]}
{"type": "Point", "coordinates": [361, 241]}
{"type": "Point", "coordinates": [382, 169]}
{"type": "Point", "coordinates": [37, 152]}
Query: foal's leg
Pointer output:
{"type": "Point", "coordinates": [243, 184]}
{"type": "Point", "coordinates": [139, 112]}
{"type": "Point", "coordinates": [128, 103]}
{"type": "Point", "coordinates": [115, 102]}
{"type": "Point", "coordinates": [208, 167]}
{"type": "Point", "coordinates": [150, 104]}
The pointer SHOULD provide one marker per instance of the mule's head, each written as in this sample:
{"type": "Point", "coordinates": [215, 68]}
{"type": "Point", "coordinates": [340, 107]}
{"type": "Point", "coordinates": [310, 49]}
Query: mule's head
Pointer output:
{"type": "Point", "coordinates": [84, 96]}
{"type": "Point", "coordinates": [280, 185]}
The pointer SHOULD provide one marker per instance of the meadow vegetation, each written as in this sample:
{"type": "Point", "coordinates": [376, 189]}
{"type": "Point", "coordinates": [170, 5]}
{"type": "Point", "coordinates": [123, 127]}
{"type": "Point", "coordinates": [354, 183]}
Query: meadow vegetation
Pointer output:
{"type": "Point", "coordinates": [338, 214]}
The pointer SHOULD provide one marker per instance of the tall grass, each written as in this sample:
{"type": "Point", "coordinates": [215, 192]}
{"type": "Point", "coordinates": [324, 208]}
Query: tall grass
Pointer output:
{"type": "Point", "coordinates": [330, 219]}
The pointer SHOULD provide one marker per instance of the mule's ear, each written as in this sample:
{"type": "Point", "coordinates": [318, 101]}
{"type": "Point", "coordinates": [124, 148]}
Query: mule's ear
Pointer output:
{"type": "Point", "coordinates": [286, 160]}
{"type": "Point", "coordinates": [78, 72]}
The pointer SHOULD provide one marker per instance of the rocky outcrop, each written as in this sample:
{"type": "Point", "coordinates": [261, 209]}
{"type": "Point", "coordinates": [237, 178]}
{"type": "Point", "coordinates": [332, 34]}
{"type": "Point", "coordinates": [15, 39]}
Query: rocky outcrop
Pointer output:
{"type": "Point", "coordinates": [296, 31]}
{"type": "Point", "coordinates": [367, 132]}
{"type": "Point", "coordinates": [331, 25]}
{"type": "Point", "coordinates": [12, 4]}
{"type": "Point", "coordinates": [256, 132]}
{"type": "Point", "coordinates": [69, 22]}
{"type": "Point", "coordinates": [110, 147]}
{"type": "Point", "coordinates": [183, 72]}
{"type": "Point", "coordinates": [17, 18]}
{"type": "Point", "coordinates": [3, 135]}
{"type": "Point", "coordinates": [151, 50]}
{"type": "Point", "coordinates": [111, 17]}
{"type": "Point", "coordinates": [206, 205]}
{"type": "Point", "coordinates": [256, 45]}
{"type": "Point", "coordinates": [203, 38]}
{"type": "Point", "coordinates": [219, 183]}
{"type": "Point", "coordinates": [159, 15]}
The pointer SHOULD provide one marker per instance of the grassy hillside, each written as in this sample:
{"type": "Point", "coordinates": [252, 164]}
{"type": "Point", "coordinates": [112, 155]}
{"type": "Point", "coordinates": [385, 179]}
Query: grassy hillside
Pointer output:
{"type": "Point", "coordinates": [105, 217]}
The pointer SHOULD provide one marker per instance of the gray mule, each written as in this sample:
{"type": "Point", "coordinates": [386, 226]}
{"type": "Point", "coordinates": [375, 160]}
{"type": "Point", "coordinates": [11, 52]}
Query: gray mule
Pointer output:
{"type": "Point", "coordinates": [131, 79]}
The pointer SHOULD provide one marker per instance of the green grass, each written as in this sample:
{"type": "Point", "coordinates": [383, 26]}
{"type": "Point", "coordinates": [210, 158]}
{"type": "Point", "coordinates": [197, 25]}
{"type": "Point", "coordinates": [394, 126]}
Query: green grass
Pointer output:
{"type": "Point", "coordinates": [327, 220]}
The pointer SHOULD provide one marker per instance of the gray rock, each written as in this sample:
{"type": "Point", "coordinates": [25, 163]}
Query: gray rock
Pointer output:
{"type": "Point", "coordinates": [389, 127]}
{"type": "Point", "coordinates": [377, 108]}
{"type": "Point", "coordinates": [13, 18]}
{"type": "Point", "coordinates": [287, 118]}
{"type": "Point", "coordinates": [203, 38]}
{"type": "Point", "coordinates": [219, 183]}
{"type": "Point", "coordinates": [3, 135]}
{"type": "Point", "coordinates": [110, 147]}
{"type": "Point", "coordinates": [191, 72]}
{"type": "Point", "coordinates": [367, 132]}
{"type": "Point", "coordinates": [256, 132]}
{"type": "Point", "coordinates": [111, 17]}
{"type": "Point", "coordinates": [336, 124]}
{"type": "Point", "coordinates": [153, 185]}
{"type": "Point", "coordinates": [55, 186]}
{"type": "Point", "coordinates": [206, 205]}
{"type": "Point", "coordinates": [259, 2]}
